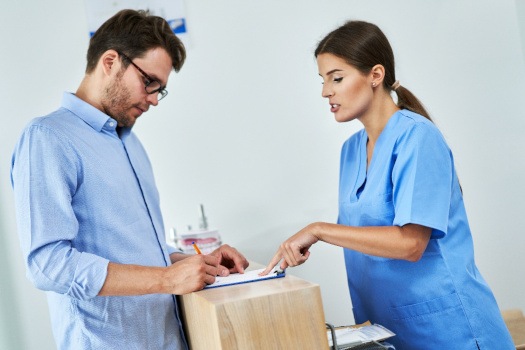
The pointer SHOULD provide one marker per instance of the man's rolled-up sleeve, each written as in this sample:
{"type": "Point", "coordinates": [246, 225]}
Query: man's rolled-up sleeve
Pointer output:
{"type": "Point", "coordinates": [45, 176]}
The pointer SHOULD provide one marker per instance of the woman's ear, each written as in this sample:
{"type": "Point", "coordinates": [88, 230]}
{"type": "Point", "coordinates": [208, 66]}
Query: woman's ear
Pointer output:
{"type": "Point", "coordinates": [377, 74]}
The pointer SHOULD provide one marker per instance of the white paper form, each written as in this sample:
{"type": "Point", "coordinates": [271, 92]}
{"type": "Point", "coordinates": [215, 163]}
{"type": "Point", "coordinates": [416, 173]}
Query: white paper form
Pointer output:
{"type": "Point", "coordinates": [248, 276]}
{"type": "Point", "coordinates": [350, 336]}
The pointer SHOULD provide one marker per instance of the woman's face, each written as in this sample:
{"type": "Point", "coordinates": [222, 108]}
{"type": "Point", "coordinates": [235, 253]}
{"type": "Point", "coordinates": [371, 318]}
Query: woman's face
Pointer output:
{"type": "Point", "coordinates": [349, 91]}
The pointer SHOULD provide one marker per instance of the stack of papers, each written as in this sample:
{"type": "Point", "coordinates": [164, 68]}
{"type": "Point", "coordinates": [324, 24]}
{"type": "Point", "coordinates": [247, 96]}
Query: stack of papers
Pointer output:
{"type": "Point", "coordinates": [353, 336]}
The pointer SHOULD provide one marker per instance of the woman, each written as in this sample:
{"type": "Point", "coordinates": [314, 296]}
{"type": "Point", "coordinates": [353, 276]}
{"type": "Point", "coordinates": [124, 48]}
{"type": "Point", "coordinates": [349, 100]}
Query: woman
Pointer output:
{"type": "Point", "coordinates": [402, 222]}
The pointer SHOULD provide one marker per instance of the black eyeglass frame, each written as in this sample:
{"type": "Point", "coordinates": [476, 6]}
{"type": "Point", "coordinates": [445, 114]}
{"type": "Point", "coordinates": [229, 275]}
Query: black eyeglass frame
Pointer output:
{"type": "Point", "coordinates": [162, 92]}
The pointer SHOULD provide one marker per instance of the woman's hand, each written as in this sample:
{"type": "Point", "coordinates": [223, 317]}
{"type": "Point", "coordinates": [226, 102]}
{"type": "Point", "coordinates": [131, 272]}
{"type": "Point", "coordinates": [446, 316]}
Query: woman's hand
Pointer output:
{"type": "Point", "coordinates": [295, 250]}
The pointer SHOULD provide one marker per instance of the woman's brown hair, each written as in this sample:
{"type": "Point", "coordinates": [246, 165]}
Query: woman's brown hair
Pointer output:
{"type": "Point", "coordinates": [363, 45]}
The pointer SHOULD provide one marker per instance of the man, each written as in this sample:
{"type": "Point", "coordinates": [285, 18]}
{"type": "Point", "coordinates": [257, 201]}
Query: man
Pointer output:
{"type": "Point", "coordinates": [87, 205]}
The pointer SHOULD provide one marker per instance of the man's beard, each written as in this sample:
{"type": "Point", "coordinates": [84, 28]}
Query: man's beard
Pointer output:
{"type": "Point", "coordinates": [116, 102]}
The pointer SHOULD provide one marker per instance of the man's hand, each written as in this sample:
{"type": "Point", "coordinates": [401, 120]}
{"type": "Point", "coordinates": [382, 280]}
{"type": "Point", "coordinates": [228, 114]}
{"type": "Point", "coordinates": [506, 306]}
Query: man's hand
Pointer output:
{"type": "Point", "coordinates": [186, 274]}
{"type": "Point", "coordinates": [191, 274]}
{"type": "Point", "coordinates": [230, 260]}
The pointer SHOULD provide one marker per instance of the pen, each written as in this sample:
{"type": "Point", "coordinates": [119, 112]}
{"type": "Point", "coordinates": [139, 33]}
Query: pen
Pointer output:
{"type": "Point", "coordinates": [197, 250]}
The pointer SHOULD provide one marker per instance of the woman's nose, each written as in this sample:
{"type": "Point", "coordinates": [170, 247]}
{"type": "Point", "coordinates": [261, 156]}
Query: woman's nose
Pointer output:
{"type": "Point", "coordinates": [326, 92]}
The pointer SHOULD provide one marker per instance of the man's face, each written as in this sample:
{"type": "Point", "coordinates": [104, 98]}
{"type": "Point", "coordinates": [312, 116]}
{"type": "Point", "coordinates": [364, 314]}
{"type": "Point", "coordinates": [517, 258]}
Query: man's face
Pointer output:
{"type": "Point", "coordinates": [125, 97]}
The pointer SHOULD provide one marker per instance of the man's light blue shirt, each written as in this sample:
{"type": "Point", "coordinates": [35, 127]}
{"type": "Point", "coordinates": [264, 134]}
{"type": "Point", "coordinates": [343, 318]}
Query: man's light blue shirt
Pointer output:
{"type": "Point", "coordinates": [84, 197]}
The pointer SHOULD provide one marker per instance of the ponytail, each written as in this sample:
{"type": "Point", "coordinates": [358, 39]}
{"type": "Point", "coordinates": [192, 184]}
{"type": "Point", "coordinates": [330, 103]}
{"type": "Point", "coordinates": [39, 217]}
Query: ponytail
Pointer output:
{"type": "Point", "coordinates": [407, 100]}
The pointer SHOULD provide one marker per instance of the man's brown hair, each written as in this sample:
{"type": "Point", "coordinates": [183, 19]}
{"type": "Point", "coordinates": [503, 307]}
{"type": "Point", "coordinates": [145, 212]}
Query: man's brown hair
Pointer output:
{"type": "Point", "coordinates": [134, 33]}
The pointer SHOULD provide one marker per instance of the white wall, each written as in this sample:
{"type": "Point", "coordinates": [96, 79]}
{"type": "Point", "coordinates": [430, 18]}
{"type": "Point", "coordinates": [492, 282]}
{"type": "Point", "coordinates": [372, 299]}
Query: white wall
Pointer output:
{"type": "Point", "coordinates": [245, 132]}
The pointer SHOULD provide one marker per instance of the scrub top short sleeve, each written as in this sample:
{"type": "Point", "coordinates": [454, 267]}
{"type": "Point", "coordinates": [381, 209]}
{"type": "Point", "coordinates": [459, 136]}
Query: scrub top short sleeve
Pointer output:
{"type": "Point", "coordinates": [422, 179]}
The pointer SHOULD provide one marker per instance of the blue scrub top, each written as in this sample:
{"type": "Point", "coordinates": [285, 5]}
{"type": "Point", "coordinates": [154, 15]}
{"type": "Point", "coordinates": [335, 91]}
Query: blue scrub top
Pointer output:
{"type": "Point", "coordinates": [441, 301]}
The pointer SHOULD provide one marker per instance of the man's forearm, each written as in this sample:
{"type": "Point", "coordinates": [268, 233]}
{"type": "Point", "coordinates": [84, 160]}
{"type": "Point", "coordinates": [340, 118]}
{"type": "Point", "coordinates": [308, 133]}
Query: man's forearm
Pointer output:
{"type": "Point", "coordinates": [124, 279]}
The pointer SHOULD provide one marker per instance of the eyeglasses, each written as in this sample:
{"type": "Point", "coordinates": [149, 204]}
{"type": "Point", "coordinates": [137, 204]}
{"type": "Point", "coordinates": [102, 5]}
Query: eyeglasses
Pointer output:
{"type": "Point", "coordinates": [151, 85]}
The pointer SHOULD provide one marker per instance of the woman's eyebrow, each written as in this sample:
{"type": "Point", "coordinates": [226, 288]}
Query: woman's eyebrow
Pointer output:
{"type": "Point", "coordinates": [332, 72]}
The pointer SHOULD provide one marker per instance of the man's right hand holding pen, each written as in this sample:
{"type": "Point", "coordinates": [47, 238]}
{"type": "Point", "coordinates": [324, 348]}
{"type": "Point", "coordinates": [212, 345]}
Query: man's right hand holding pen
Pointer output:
{"type": "Point", "coordinates": [191, 273]}
{"type": "Point", "coordinates": [186, 274]}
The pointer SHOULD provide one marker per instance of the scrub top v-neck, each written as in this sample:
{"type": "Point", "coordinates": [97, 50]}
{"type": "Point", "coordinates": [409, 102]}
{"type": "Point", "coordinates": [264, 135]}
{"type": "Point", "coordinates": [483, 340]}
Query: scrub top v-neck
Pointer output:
{"type": "Point", "coordinates": [411, 179]}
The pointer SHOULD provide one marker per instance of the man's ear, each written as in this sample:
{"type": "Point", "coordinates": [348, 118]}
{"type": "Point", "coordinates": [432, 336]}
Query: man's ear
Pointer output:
{"type": "Point", "coordinates": [110, 62]}
{"type": "Point", "coordinates": [377, 74]}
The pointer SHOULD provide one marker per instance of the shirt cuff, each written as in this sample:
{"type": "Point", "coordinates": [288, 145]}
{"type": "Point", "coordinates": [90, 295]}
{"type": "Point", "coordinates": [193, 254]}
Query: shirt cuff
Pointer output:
{"type": "Point", "coordinates": [89, 278]}
{"type": "Point", "coordinates": [171, 249]}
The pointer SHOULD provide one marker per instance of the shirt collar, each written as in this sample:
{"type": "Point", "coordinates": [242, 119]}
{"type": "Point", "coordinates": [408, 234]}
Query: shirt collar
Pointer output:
{"type": "Point", "coordinates": [97, 119]}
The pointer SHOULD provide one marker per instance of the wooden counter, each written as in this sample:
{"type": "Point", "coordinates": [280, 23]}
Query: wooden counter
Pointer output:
{"type": "Point", "coordinates": [282, 313]}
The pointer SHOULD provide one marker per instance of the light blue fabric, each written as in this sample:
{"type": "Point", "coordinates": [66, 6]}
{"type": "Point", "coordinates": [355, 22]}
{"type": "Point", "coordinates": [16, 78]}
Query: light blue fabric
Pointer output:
{"type": "Point", "coordinates": [441, 301]}
{"type": "Point", "coordinates": [85, 197]}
